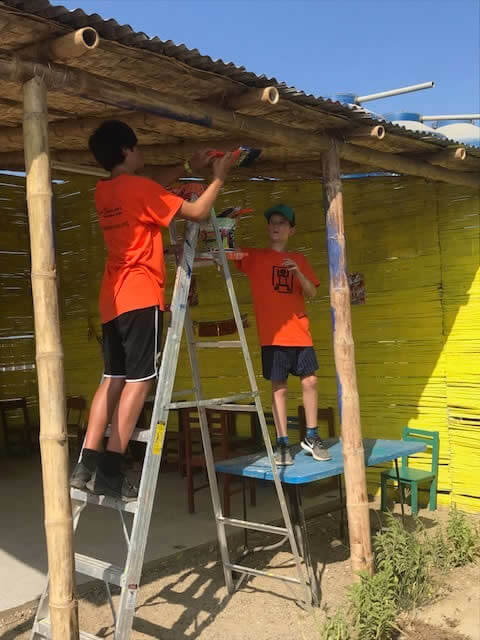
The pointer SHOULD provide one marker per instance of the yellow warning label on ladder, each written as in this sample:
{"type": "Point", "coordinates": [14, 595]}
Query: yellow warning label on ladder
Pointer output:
{"type": "Point", "coordinates": [158, 442]}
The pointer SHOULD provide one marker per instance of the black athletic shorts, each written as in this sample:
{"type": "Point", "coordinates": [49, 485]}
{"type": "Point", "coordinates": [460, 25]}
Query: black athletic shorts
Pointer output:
{"type": "Point", "coordinates": [132, 343]}
{"type": "Point", "coordinates": [279, 362]}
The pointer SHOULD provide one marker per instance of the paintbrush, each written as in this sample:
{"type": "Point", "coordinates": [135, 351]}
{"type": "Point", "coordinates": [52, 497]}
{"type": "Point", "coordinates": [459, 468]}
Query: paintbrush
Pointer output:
{"type": "Point", "coordinates": [244, 156]}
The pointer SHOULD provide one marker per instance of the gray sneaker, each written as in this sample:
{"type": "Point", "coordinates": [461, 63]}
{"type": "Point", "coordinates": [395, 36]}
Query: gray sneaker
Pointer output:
{"type": "Point", "coordinates": [80, 476]}
{"type": "Point", "coordinates": [317, 448]}
{"type": "Point", "coordinates": [282, 455]}
{"type": "Point", "coordinates": [118, 486]}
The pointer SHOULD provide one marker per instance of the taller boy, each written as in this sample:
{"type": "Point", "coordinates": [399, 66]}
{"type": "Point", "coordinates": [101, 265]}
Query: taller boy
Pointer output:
{"type": "Point", "coordinates": [131, 211]}
{"type": "Point", "coordinates": [280, 281]}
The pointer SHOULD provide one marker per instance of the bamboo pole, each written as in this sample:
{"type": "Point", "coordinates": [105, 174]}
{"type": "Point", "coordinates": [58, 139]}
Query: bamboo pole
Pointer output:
{"type": "Point", "coordinates": [64, 48]}
{"type": "Point", "coordinates": [49, 360]}
{"type": "Point", "coordinates": [252, 97]}
{"type": "Point", "coordinates": [125, 96]}
{"type": "Point", "coordinates": [374, 133]}
{"type": "Point", "coordinates": [349, 404]}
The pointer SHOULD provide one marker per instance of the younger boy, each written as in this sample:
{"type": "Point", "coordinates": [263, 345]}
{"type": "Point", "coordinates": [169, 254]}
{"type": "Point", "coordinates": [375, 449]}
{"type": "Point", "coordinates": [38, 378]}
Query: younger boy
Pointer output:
{"type": "Point", "coordinates": [132, 210]}
{"type": "Point", "coordinates": [280, 281]}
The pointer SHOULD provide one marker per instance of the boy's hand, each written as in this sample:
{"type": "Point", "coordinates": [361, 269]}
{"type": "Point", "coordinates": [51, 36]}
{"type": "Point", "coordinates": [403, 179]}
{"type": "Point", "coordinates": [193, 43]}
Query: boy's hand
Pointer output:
{"type": "Point", "coordinates": [291, 265]}
{"type": "Point", "coordinates": [221, 166]}
{"type": "Point", "coordinates": [200, 160]}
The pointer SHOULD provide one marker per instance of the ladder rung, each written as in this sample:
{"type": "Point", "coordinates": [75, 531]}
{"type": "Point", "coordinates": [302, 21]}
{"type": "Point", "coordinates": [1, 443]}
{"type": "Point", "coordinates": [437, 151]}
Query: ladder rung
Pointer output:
{"type": "Point", "coordinates": [98, 569]}
{"type": "Point", "coordinates": [104, 501]}
{"type": "Point", "coordinates": [43, 628]}
{"type": "Point", "coordinates": [219, 344]}
{"type": "Point", "coordinates": [139, 435]}
{"type": "Point", "coordinates": [212, 402]}
{"type": "Point", "coordinates": [250, 408]}
{"type": "Point", "coordinates": [256, 572]}
{"type": "Point", "coordinates": [256, 526]}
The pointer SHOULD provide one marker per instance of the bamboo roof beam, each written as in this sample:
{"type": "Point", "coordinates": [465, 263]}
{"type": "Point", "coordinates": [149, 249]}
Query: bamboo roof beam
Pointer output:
{"type": "Point", "coordinates": [373, 133]}
{"type": "Point", "coordinates": [125, 96]}
{"type": "Point", "coordinates": [253, 97]}
{"type": "Point", "coordinates": [62, 49]}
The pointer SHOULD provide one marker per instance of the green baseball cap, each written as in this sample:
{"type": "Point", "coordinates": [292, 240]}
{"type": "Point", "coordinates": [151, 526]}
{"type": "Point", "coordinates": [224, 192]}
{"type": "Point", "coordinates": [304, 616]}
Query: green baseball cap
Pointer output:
{"type": "Point", "coordinates": [284, 210]}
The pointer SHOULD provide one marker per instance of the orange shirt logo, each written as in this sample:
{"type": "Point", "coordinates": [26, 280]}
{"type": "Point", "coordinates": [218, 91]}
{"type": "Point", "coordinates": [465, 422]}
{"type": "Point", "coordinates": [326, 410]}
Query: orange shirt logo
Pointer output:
{"type": "Point", "coordinates": [278, 297]}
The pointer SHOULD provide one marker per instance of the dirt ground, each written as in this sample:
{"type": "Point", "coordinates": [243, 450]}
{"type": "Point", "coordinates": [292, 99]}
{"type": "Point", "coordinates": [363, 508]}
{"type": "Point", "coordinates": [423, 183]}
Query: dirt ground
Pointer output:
{"type": "Point", "coordinates": [184, 596]}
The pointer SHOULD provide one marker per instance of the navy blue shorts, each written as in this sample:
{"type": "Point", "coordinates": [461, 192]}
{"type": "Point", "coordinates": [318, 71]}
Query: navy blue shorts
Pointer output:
{"type": "Point", "coordinates": [132, 344]}
{"type": "Point", "coordinates": [279, 362]}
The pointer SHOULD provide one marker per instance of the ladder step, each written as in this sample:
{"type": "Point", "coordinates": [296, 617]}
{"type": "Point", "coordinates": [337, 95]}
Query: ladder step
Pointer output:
{"type": "Point", "coordinates": [256, 572]}
{"type": "Point", "coordinates": [212, 403]}
{"type": "Point", "coordinates": [104, 501]}
{"type": "Point", "coordinates": [98, 569]}
{"type": "Point", "coordinates": [219, 344]}
{"type": "Point", "coordinates": [255, 526]}
{"type": "Point", "coordinates": [43, 628]}
{"type": "Point", "coordinates": [139, 435]}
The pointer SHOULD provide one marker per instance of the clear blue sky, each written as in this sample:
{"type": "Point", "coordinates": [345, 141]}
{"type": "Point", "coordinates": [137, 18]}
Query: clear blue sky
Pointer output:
{"type": "Point", "coordinates": [328, 46]}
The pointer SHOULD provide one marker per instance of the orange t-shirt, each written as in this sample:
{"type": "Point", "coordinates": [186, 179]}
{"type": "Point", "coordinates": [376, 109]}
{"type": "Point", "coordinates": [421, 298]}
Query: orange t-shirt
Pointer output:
{"type": "Point", "coordinates": [278, 297]}
{"type": "Point", "coordinates": [131, 212]}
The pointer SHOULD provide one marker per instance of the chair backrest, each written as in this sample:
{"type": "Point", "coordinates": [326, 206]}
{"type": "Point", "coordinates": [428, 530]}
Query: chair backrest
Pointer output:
{"type": "Point", "coordinates": [78, 404]}
{"type": "Point", "coordinates": [325, 414]}
{"type": "Point", "coordinates": [430, 438]}
{"type": "Point", "coordinates": [13, 404]}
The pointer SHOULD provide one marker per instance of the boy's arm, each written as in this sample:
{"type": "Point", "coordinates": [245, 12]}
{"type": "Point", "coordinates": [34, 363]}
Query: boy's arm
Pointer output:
{"type": "Point", "coordinates": [309, 287]}
{"type": "Point", "coordinates": [168, 175]}
{"type": "Point", "coordinates": [200, 209]}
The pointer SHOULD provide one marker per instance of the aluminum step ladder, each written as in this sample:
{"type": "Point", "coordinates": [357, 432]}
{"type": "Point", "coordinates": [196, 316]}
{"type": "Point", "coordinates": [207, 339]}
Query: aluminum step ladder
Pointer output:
{"type": "Point", "coordinates": [128, 577]}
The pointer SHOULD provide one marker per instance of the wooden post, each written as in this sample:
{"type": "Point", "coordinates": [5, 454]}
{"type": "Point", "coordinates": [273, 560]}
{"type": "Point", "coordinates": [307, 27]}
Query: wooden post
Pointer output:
{"type": "Point", "coordinates": [349, 405]}
{"type": "Point", "coordinates": [49, 359]}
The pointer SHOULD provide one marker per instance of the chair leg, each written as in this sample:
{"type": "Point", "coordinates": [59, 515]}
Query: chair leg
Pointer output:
{"type": "Point", "coordinates": [190, 488]}
{"type": "Point", "coordinates": [433, 495]}
{"type": "Point", "coordinates": [253, 493]}
{"type": "Point", "coordinates": [414, 498]}
{"type": "Point", "coordinates": [226, 495]}
{"type": "Point", "coordinates": [383, 493]}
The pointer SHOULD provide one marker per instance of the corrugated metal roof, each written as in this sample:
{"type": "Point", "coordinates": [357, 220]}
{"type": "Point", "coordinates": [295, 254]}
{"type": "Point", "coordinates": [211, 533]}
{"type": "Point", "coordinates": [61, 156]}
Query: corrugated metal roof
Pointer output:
{"type": "Point", "coordinates": [124, 34]}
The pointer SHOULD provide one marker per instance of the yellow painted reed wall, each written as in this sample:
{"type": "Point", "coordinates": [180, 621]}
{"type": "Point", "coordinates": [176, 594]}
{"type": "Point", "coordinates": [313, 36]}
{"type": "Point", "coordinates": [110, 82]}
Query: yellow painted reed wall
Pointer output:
{"type": "Point", "coordinates": [459, 225]}
{"type": "Point", "coordinates": [417, 336]}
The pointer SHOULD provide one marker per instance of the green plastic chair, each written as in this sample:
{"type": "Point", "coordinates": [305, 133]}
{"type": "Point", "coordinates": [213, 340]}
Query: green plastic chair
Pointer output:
{"type": "Point", "coordinates": [413, 477]}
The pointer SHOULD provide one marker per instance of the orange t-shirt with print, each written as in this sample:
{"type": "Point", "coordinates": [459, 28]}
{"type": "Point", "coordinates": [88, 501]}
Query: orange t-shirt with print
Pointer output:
{"type": "Point", "coordinates": [132, 211]}
{"type": "Point", "coordinates": [278, 297]}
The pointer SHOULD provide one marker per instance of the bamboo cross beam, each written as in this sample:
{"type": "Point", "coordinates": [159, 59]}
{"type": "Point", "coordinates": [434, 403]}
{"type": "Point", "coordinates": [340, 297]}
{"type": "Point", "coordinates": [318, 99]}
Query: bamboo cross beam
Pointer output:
{"type": "Point", "coordinates": [63, 48]}
{"type": "Point", "coordinates": [125, 96]}
{"type": "Point", "coordinates": [344, 351]}
{"type": "Point", "coordinates": [252, 97]}
{"type": "Point", "coordinates": [49, 361]}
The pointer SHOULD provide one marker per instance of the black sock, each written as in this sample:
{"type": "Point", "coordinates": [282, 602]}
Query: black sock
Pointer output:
{"type": "Point", "coordinates": [90, 458]}
{"type": "Point", "coordinates": [111, 463]}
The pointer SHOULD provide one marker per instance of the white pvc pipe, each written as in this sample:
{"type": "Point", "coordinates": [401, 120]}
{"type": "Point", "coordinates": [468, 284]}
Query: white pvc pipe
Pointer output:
{"type": "Point", "coordinates": [455, 116]}
{"type": "Point", "coordinates": [394, 92]}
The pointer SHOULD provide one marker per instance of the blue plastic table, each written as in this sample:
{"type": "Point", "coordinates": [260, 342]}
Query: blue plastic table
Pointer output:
{"type": "Point", "coordinates": [305, 470]}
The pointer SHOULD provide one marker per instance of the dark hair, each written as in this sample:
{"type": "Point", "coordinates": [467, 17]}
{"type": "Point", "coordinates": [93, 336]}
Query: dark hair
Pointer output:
{"type": "Point", "coordinates": [108, 141]}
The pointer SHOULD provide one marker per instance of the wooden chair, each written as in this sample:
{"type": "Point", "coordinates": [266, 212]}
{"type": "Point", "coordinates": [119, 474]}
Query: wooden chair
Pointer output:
{"type": "Point", "coordinates": [173, 445]}
{"type": "Point", "coordinates": [76, 410]}
{"type": "Point", "coordinates": [413, 477]}
{"type": "Point", "coordinates": [220, 428]}
{"type": "Point", "coordinates": [18, 434]}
